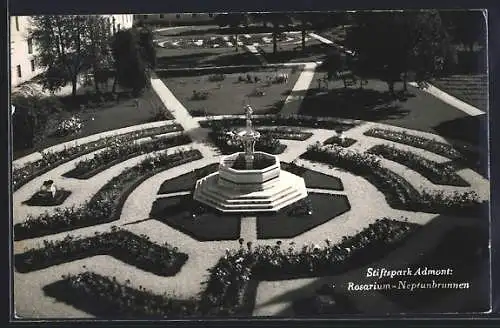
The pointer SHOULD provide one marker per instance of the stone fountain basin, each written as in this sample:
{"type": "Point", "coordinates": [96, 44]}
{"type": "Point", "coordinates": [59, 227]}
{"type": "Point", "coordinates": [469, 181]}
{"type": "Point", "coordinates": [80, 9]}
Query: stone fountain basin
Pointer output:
{"type": "Point", "coordinates": [231, 168]}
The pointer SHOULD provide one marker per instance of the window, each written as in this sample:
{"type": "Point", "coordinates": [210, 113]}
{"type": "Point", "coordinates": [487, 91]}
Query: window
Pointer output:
{"type": "Point", "coordinates": [33, 65]}
{"type": "Point", "coordinates": [178, 16]}
{"type": "Point", "coordinates": [17, 23]}
{"type": "Point", "coordinates": [162, 16]}
{"type": "Point", "coordinates": [30, 46]}
{"type": "Point", "coordinates": [18, 68]}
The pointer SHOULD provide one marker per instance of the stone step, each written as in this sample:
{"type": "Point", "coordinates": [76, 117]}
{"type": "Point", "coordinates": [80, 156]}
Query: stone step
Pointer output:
{"type": "Point", "coordinates": [234, 197]}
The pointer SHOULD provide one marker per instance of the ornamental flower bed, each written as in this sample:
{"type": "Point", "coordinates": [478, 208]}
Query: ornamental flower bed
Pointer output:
{"type": "Point", "coordinates": [441, 174]}
{"type": "Point", "coordinates": [229, 279]}
{"type": "Point", "coordinates": [397, 191]}
{"type": "Point", "coordinates": [49, 160]}
{"type": "Point", "coordinates": [228, 145]}
{"type": "Point", "coordinates": [106, 204]}
{"type": "Point", "coordinates": [274, 120]}
{"type": "Point", "coordinates": [107, 298]}
{"type": "Point", "coordinates": [120, 151]}
{"type": "Point", "coordinates": [283, 132]}
{"type": "Point", "coordinates": [343, 142]}
{"type": "Point", "coordinates": [68, 126]}
{"type": "Point", "coordinates": [139, 251]}
{"type": "Point", "coordinates": [434, 146]}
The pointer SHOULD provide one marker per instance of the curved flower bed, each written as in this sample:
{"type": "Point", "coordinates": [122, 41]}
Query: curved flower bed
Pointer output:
{"type": "Point", "coordinates": [107, 298]}
{"type": "Point", "coordinates": [288, 133]}
{"type": "Point", "coordinates": [229, 279]}
{"type": "Point", "coordinates": [139, 251]}
{"type": "Point", "coordinates": [120, 151]}
{"type": "Point", "coordinates": [273, 120]}
{"type": "Point", "coordinates": [106, 204]}
{"type": "Point", "coordinates": [50, 160]}
{"type": "Point", "coordinates": [431, 145]}
{"type": "Point", "coordinates": [229, 145]}
{"type": "Point", "coordinates": [397, 191]}
{"type": "Point", "coordinates": [441, 174]}
{"type": "Point", "coordinates": [343, 142]}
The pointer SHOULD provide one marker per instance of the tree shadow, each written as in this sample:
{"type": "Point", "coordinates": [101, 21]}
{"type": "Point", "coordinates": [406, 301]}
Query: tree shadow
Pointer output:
{"type": "Point", "coordinates": [362, 104]}
{"type": "Point", "coordinates": [182, 60]}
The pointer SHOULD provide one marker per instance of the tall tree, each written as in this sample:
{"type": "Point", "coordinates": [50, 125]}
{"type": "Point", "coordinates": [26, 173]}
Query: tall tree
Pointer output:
{"type": "Point", "coordinates": [394, 43]}
{"type": "Point", "coordinates": [134, 57]}
{"type": "Point", "coordinates": [100, 53]}
{"type": "Point", "coordinates": [233, 21]}
{"type": "Point", "coordinates": [280, 22]}
{"type": "Point", "coordinates": [66, 47]}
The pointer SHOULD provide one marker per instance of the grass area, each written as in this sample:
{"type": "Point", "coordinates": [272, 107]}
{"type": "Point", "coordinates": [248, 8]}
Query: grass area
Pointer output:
{"type": "Point", "coordinates": [293, 52]}
{"type": "Point", "coordinates": [186, 181]}
{"type": "Point", "coordinates": [114, 115]}
{"type": "Point", "coordinates": [203, 57]}
{"type": "Point", "coordinates": [313, 179]}
{"type": "Point", "coordinates": [472, 89]}
{"type": "Point", "coordinates": [228, 96]}
{"type": "Point", "coordinates": [282, 224]}
{"type": "Point", "coordinates": [58, 199]}
{"type": "Point", "coordinates": [207, 226]}
{"type": "Point", "coordinates": [416, 110]}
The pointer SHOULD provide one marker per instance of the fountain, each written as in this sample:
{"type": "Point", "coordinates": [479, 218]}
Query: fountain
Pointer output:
{"type": "Point", "coordinates": [249, 181]}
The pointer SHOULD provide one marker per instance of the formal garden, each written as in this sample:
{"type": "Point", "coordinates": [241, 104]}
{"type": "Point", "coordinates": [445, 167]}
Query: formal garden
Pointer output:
{"type": "Point", "coordinates": [105, 223]}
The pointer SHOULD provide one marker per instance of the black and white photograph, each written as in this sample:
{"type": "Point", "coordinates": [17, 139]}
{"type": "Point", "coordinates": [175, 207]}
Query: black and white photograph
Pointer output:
{"type": "Point", "coordinates": [324, 164]}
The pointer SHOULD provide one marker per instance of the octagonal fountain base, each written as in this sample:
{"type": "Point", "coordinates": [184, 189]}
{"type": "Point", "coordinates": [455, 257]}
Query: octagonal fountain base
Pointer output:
{"type": "Point", "coordinates": [265, 188]}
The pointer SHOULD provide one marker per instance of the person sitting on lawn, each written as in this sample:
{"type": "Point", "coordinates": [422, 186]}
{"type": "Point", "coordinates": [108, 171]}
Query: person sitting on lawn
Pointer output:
{"type": "Point", "coordinates": [48, 189]}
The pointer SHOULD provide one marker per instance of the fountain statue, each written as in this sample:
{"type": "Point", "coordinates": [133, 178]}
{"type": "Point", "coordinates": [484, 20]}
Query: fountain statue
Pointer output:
{"type": "Point", "coordinates": [257, 186]}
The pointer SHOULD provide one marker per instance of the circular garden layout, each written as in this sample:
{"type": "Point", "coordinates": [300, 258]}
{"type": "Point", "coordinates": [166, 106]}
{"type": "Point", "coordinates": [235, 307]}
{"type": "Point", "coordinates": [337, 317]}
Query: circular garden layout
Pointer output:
{"type": "Point", "coordinates": [123, 237]}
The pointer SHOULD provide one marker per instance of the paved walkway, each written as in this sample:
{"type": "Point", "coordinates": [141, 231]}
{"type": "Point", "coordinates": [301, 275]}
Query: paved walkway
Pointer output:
{"type": "Point", "coordinates": [450, 100]}
{"type": "Point", "coordinates": [294, 100]}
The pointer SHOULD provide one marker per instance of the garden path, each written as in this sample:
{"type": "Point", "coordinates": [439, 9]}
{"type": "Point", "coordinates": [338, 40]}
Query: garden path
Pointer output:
{"type": "Point", "coordinates": [298, 93]}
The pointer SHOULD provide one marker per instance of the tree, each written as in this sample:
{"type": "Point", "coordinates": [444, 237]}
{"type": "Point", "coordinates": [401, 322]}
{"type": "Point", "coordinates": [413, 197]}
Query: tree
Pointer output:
{"type": "Point", "coordinates": [394, 43]}
{"type": "Point", "coordinates": [318, 21]}
{"type": "Point", "coordinates": [466, 27]}
{"type": "Point", "coordinates": [66, 47]}
{"type": "Point", "coordinates": [100, 55]}
{"type": "Point", "coordinates": [134, 56]}
{"type": "Point", "coordinates": [280, 23]}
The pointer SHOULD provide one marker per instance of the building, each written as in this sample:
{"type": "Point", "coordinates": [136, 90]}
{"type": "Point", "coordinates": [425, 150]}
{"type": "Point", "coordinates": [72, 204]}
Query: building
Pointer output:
{"type": "Point", "coordinates": [22, 64]}
{"type": "Point", "coordinates": [176, 19]}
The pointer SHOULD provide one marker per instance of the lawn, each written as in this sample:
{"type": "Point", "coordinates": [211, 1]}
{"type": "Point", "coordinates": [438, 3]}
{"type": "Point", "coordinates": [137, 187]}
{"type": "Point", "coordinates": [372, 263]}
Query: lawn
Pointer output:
{"type": "Point", "coordinates": [292, 52]}
{"type": "Point", "coordinates": [209, 224]}
{"type": "Point", "coordinates": [114, 115]}
{"type": "Point", "coordinates": [418, 110]}
{"type": "Point", "coordinates": [472, 89]}
{"type": "Point", "coordinates": [203, 57]}
{"type": "Point", "coordinates": [230, 95]}
{"type": "Point", "coordinates": [285, 224]}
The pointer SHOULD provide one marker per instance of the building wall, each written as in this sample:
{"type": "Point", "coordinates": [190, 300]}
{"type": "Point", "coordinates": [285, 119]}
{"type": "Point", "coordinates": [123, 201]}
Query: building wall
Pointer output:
{"type": "Point", "coordinates": [21, 57]}
{"type": "Point", "coordinates": [175, 19]}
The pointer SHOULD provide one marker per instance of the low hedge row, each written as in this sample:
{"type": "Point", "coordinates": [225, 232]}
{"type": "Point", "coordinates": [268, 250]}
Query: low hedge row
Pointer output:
{"type": "Point", "coordinates": [106, 204]}
{"type": "Point", "coordinates": [50, 160]}
{"type": "Point", "coordinates": [139, 251]}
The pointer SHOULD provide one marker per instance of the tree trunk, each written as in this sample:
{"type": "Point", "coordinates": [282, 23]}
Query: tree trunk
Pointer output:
{"type": "Point", "coordinates": [303, 37]}
{"type": "Point", "coordinates": [96, 82]}
{"type": "Point", "coordinates": [391, 87]}
{"type": "Point", "coordinates": [74, 82]}
{"type": "Point", "coordinates": [405, 83]}
{"type": "Point", "coordinates": [275, 42]}
{"type": "Point", "coordinates": [113, 88]}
